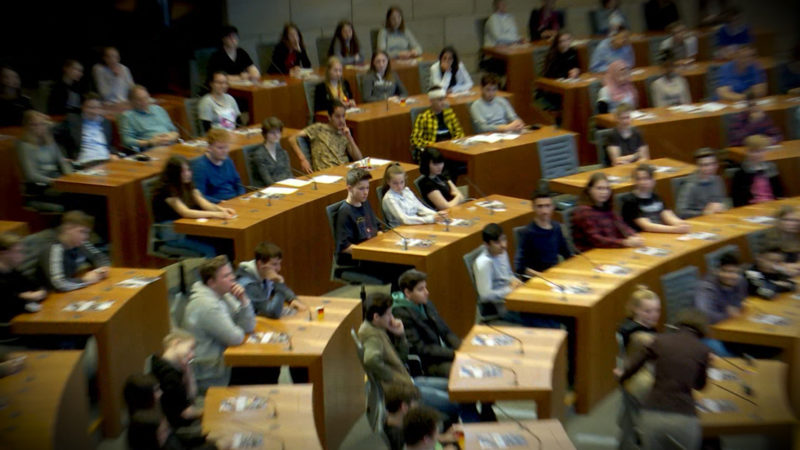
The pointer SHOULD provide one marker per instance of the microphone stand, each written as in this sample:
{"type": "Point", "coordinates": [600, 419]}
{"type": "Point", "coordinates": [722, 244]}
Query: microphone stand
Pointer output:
{"type": "Point", "coordinates": [404, 238]}
{"type": "Point", "coordinates": [521, 345]}
{"type": "Point", "coordinates": [560, 287]}
{"type": "Point", "coordinates": [312, 180]}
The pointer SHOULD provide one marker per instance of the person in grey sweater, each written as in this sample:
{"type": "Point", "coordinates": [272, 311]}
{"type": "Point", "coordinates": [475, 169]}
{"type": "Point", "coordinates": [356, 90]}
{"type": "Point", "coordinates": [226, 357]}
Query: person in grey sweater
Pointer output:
{"type": "Point", "coordinates": [380, 82]}
{"type": "Point", "coordinates": [72, 262]}
{"type": "Point", "coordinates": [264, 285]}
{"type": "Point", "coordinates": [39, 156]}
{"type": "Point", "coordinates": [704, 191]}
{"type": "Point", "coordinates": [493, 113]}
{"type": "Point", "coordinates": [269, 162]}
{"type": "Point", "coordinates": [219, 314]}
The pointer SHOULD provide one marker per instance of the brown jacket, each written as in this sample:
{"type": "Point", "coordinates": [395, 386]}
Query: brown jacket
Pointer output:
{"type": "Point", "coordinates": [382, 358]}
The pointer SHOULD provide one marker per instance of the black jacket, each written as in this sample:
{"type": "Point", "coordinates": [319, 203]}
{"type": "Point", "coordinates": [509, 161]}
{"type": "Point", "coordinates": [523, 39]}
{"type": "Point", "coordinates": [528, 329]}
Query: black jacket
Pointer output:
{"type": "Point", "coordinates": [743, 182]}
{"type": "Point", "coordinates": [69, 134]}
{"type": "Point", "coordinates": [426, 336]}
{"type": "Point", "coordinates": [322, 97]}
{"type": "Point", "coordinates": [278, 65]}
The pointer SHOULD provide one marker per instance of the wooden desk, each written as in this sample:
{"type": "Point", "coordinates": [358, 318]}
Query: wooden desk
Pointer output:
{"type": "Point", "coordinates": [45, 406]}
{"type": "Point", "coordinates": [574, 184]}
{"type": "Point", "coordinates": [507, 167]}
{"type": "Point", "coordinates": [286, 102]}
{"type": "Point", "coordinates": [292, 426]}
{"type": "Point", "coordinates": [541, 372]}
{"type": "Point", "coordinates": [20, 228]}
{"type": "Point", "coordinates": [383, 129]}
{"type": "Point", "coordinates": [577, 108]}
{"type": "Point", "coordinates": [448, 280]}
{"type": "Point", "coordinates": [696, 129]}
{"type": "Point", "coordinates": [290, 222]}
{"type": "Point", "coordinates": [785, 337]}
{"type": "Point", "coordinates": [786, 157]}
{"type": "Point", "coordinates": [327, 350]}
{"type": "Point", "coordinates": [771, 413]}
{"type": "Point", "coordinates": [538, 434]}
{"type": "Point", "coordinates": [127, 332]}
{"type": "Point", "coordinates": [597, 313]}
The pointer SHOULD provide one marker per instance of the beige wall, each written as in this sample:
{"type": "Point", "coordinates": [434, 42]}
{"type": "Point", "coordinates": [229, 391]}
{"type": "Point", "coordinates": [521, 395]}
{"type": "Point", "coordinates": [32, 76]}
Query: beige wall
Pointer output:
{"type": "Point", "coordinates": [437, 23]}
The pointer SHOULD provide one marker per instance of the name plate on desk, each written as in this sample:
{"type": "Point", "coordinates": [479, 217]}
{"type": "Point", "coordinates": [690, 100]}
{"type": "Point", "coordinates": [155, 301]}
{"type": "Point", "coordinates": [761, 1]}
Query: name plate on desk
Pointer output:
{"type": "Point", "coordinates": [268, 337]}
{"type": "Point", "coordinates": [612, 269]}
{"type": "Point", "coordinates": [708, 405]}
{"type": "Point", "coordinates": [699, 236]}
{"type": "Point", "coordinates": [88, 305]}
{"type": "Point", "coordinates": [770, 319]}
{"type": "Point", "coordinates": [495, 205]}
{"type": "Point", "coordinates": [573, 288]}
{"type": "Point", "coordinates": [243, 403]}
{"type": "Point", "coordinates": [414, 242]}
{"type": "Point", "coordinates": [479, 371]}
{"type": "Point", "coordinates": [136, 282]}
{"type": "Point", "coordinates": [762, 220]}
{"type": "Point", "coordinates": [248, 440]}
{"type": "Point", "coordinates": [501, 440]}
{"type": "Point", "coordinates": [652, 251]}
{"type": "Point", "coordinates": [493, 340]}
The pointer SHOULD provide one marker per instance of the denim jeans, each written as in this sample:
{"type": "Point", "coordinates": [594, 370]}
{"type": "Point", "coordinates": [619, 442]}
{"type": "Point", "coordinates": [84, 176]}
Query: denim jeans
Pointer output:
{"type": "Point", "coordinates": [433, 391]}
{"type": "Point", "coordinates": [178, 240]}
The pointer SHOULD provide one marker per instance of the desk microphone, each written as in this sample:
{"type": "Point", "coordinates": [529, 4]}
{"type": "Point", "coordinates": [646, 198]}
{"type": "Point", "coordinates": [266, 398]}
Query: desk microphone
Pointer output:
{"type": "Point", "coordinates": [289, 347]}
{"type": "Point", "coordinates": [183, 131]}
{"type": "Point", "coordinates": [560, 287]}
{"type": "Point", "coordinates": [310, 178]}
{"type": "Point", "coordinates": [747, 389]}
{"type": "Point", "coordinates": [503, 367]}
{"type": "Point", "coordinates": [480, 192]}
{"type": "Point", "coordinates": [405, 239]}
{"type": "Point", "coordinates": [521, 345]}
{"type": "Point", "coordinates": [521, 425]}
{"type": "Point", "coordinates": [249, 188]}
{"type": "Point", "coordinates": [308, 310]}
{"type": "Point", "coordinates": [581, 254]}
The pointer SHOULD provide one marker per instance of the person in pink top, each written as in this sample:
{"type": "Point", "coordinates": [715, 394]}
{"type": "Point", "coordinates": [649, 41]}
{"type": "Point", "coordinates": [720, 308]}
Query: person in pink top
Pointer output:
{"type": "Point", "coordinates": [617, 88]}
{"type": "Point", "coordinates": [758, 180]}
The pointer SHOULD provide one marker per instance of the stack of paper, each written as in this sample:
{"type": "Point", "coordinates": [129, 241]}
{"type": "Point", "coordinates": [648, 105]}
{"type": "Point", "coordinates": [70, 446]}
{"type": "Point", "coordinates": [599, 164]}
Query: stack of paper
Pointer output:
{"type": "Point", "coordinates": [684, 108]}
{"type": "Point", "coordinates": [491, 138]}
{"type": "Point", "coordinates": [243, 403]}
{"type": "Point", "coordinates": [479, 371]}
{"type": "Point", "coordinates": [665, 169]}
{"type": "Point", "coordinates": [612, 269]}
{"type": "Point", "coordinates": [294, 182]}
{"type": "Point", "coordinates": [712, 107]}
{"type": "Point", "coordinates": [492, 340]}
{"type": "Point", "coordinates": [652, 251]}
{"type": "Point", "coordinates": [276, 191]}
{"type": "Point", "coordinates": [700, 235]}
{"type": "Point", "coordinates": [136, 282]}
{"type": "Point", "coordinates": [762, 220]}
{"type": "Point", "coordinates": [327, 179]}
{"type": "Point", "coordinates": [267, 337]}
{"type": "Point", "coordinates": [502, 440]}
{"type": "Point", "coordinates": [247, 440]}
{"type": "Point", "coordinates": [721, 374]}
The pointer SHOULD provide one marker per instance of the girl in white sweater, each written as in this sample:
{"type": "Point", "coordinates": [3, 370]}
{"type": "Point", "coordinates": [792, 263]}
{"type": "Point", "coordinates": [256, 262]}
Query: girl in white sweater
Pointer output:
{"type": "Point", "coordinates": [400, 205]}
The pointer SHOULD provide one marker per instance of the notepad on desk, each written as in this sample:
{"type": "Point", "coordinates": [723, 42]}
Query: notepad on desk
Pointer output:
{"type": "Point", "coordinates": [136, 282]}
{"type": "Point", "coordinates": [327, 179]}
{"type": "Point", "coordinates": [277, 191]}
{"type": "Point", "coordinates": [247, 440]}
{"type": "Point", "coordinates": [243, 403]}
{"type": "Point", "coordinates": [479, 371]}
{"type": "Point", "coordinates": [294, 182]}
{"type": "Point", "coordinates": [762, 220]}
{"type": "Point", "coordinates": [88, 305]}
{"type": "Point", "coordinates": [267, 337]}
{"type": "Point", "coordinates": [492, 340]}
{"type": "Point", "coordinates": [501, 440]}
{"type": "Point", "coordinates": [700, 236]}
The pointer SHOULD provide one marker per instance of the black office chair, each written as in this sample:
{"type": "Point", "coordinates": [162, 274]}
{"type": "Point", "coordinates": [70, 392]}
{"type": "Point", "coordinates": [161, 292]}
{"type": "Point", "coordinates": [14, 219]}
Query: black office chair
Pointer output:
{"type": "Point", "coordinates": [345, 274]}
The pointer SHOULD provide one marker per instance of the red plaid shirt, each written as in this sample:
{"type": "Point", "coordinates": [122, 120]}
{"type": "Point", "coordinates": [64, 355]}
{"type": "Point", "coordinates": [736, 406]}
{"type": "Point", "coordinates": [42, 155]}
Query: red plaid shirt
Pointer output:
{"type": "Point", "coordinates": [592, 227]}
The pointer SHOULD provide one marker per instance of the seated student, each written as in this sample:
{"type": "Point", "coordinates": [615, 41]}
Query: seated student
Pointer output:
{"type": "Point", "coordinates": [290, 55]}
{"type": "Point", "coordinates": [40, 158]}
{"type": "Point", "coordinates": [671, 88]}
{"type": "Point", "coordinates": [734, 30]}
{"type": "Point", "coordinates": [173, 369]}
{"type": "Point", "coordinates": [681, 42]}
{"type": "Point", "coordinates": [381, 83]}
{"type": "Point", "coordinates": [617, 89]}
{"type": "Point", "coordinates": [740, 77]}
{"type": "Point", "coordinates": [594, 222]}
{"type": "Point", "coordinates": [501, 27]}
{"type": "Point", "coordinates": [752, 121]}
{"type": "Point", "coordinates": [86, 136]}
{"type": "Point", "coordinates": [767, 277]}
{"type": "Point", "coordinates": [615, 47]}
{"type": "Point", "coordinates": [435, 124]}
{"type": "Point", "coordinates": [112, 79]}
{"type": "Point", "coordinates": [704, 191]}
{"type": "Point", "coordinates": [145, 125]}
{"type": "Point", "coordinates": [436, 188]}
{"type": "Point", "coordinates": [398, 398]}
{"type": "Point", "coordinates": [140, 392]}
{"type": "Point", "coordinates": [643, 209]}
{"type": "Point", "coordinates": [21, 293]}
{"type": "Point", "coordinates": [659, 14]}
{"type": "Point", "coordinates": [400, 205]}
{"type": "Point", "coordinates": [71, 254]}
{"type": "Point", "coordinates": [669, 417]}
{"type": "Point", "coordinates": [609, 18]}
{"type": "Point", "coordinates": [450, 73]}
{"type": "Point", "coordinates": [385, 353]}
{"type": "Point", "coordinates": [174, 197]}
{"type": "Point", "coordinates": [214, 173]}
{"type": "Point", "coordinates": [334, 87]}
{"type": "Point", "coordinates": [269, 162]}
{"type": "Point", "coordinates": [720, 295]}
{"type": "Point", "coordinates": [231, 59]}
{"type": "Point", "coordinates": [345, 45]}
{"type": "Point", "coordinates": [218, 109]}
{"type": "Point", "coordinates": [493, 113]}
{"type": "Point", "coordinates": [12, 102]}
{"type": "Point", "coordinates": [395, 39]}
{"type": "Point", "coordinates": [219, 314]}
{"type": "Point", "coordinates": [332, 144]}
{"type": "Point", "coordinates": [625, 145]}
{"type": "Point", "coordinates": [356, 223]}
{"type": "Point", "coordinates": [67, 93]}
{"type": "Point", "coordinates": [542, 243]}
{"type": "Point", "coordinates": [264, 284]}
{"type": "Point", "coordinates": [546, 21]}
{"type": "Point", "coordinates": [427, 334]}
{"type": "Point", "coordinates": [786, 236]}
{"type": "Point", "coordinates": [758, 180]}
{"type": "Point", "coordinates": [562, 59]}
{"type": "Point", "coordinates": [421, 429]}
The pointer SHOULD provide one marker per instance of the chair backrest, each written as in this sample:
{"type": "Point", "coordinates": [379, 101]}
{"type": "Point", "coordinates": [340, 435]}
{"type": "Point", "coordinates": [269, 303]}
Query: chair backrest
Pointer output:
{"type": "Point", "coordinates": [360, 82]}
{"type": "Point", "coordinates": [309, 86]}
{"type": "Point", "coordinates": [539, 55]}
{"type": "Point", "coordinates": [653, 48]}
{"type": "Point", "coordinates": [191, 272]}
{"type": "Point", "coordinates": [600, 140]}
{"type": "Point", "coordinates": [373, 39]}
{"type": "Point", "coordinates": [375, 398]}
{"type": "Point", "coordinates": [332, 211]}
{"type": "Point", "coordinates": [424, 198]}
{"type": "Point", "coordinates": [248, 168]}
{"type": "Point", "coordinates": [323, 44]}
{"type": "Point", "coordinates": [793, 128]}
{"type": "Point", "coordinates": [416, 112]}
{"type": "Point", "coordinates": [33, 246]}
{"type": "Point", "coordinates": [594, 93]}
{"type": "Point", "coordinates": [198, 69]}
{"type": "Point", "coordinates": [712, 258]}
{"type": "Point", "coordinates": [424, 70]}
{"type": "Point", "coordinates": [469, 261]}
{"type": "Point", "coordinates": [756, 241]}
{"type": "Point", "coordinates": [712, 78]}
{"type": "Point", "coordinates": [517, 232]}
{"type": "Point", "coordinates": [675, 185]}
{"type": "Point", "coordinates": [566, 224]}
{"type": "Point", "coordinates": [305, 146]}
{"type": "Point", "coordinates": [592, 15]}
{"type": "Point", "coordinates": [193, 116]}
{"type": "Point", "coordinates": [148, 185]}
{"type": "Point", "coordinates": [480, 30]}
{"type": "Point", "coordinates": [264, 53]}
{"type": "Point", "coordinates": [648, 88]}
{"type": "Point", "coordinates": [379, 193]}
{"type": "Point", "coordinates": [558, 156]}
{"type": "Point", "coordinates": [678, 289]}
